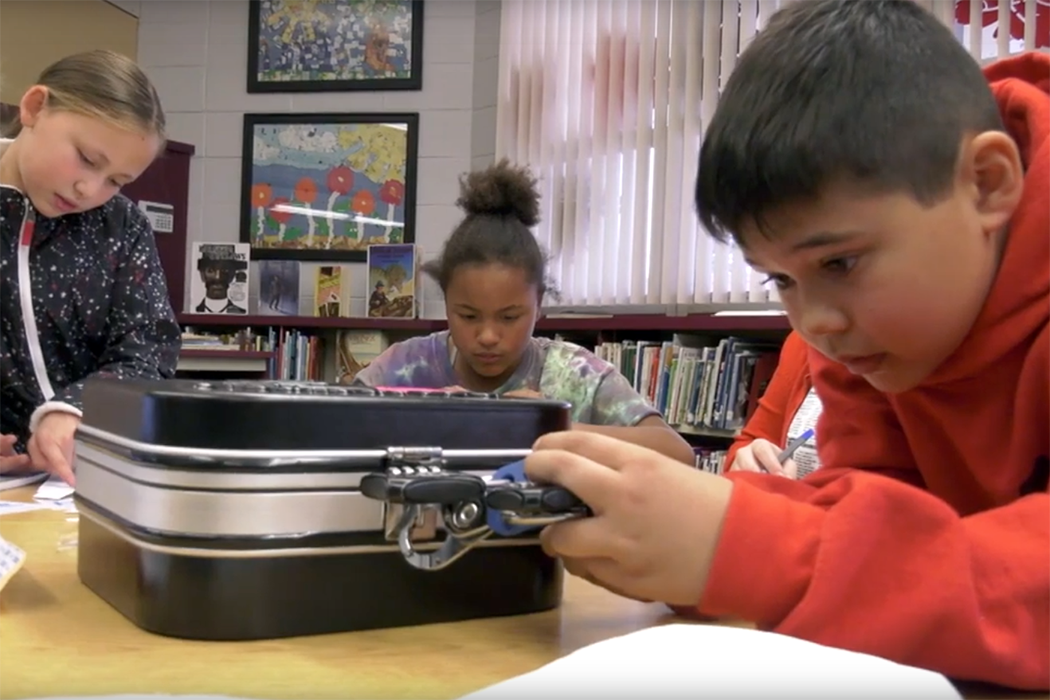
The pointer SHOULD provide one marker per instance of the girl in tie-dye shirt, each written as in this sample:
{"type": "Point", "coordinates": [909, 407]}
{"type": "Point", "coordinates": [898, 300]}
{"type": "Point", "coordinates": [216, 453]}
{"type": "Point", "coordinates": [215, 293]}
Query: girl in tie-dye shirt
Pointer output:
{"type": "Point", "coordinates": [493, 275]}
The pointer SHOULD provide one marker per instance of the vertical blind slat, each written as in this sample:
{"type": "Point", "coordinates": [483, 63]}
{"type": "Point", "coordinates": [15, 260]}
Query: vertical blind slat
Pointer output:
{"type": "Point", "coordinates": [607, 101]}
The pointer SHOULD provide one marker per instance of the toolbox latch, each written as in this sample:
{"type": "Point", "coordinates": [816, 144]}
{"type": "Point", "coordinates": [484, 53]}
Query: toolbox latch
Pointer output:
{"type": "Point", "coordinates": [414, 457]}
{"type": "Point", "coordinates": [424, 530]}
{"type": "Point", "coordinates": [411, 460]}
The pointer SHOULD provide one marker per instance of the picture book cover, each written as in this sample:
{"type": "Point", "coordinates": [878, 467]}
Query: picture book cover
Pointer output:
{"type": "Point", "coordinates": [279, 287]}
{"type": "Point", "coordinates": [219, 278]}
{"type": "Point", "coordinates": [356, 350]}
{"type": "Point", "coordinates": [392, 280]}
{"type": "Point", "coordinates": [332, 291]}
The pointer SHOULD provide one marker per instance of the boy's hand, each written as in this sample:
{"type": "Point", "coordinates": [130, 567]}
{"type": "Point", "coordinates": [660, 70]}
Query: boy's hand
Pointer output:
{"type": "Point", "coordinates": [760, 455]}
{"type": "Point", "coordinates": [656, 521]}
{"type": "Point", "coordinates": [11, 461]}
{"type": "Point", "coordinates": [51, 446]}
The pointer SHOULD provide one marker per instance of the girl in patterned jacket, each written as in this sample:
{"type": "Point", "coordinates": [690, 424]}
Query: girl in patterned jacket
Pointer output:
{"type": "Point", "coordinates": [82, 291]}
{"type": "Point", "coordinates": [492, 273]}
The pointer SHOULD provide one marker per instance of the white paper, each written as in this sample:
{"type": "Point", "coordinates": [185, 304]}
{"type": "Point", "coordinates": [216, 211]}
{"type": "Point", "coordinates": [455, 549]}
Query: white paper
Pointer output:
{"type": "Point", "coordinates": [54, 489]}
{"type": "Point", "coordinates": [14, 481]}
{"type": "Point", "coordinates": [691, 662]}
{"type": "Point", "coordinates": [66, 505]}
{"type": "Point", "coordinates": [9, 507]}
{"type": "Point", "coordinates": [11, 559]}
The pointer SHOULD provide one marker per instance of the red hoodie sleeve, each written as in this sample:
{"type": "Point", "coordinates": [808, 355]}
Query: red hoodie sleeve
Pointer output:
{"type": "Point", "coordinates": [862, 558]}
{"type": "Point", "coordinates": [772, 416]}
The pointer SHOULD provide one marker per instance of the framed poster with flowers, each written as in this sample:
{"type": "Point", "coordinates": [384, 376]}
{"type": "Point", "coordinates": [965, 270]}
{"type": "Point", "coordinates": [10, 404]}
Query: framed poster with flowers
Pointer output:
{"type": "Point", "coordinates": [326, 186]}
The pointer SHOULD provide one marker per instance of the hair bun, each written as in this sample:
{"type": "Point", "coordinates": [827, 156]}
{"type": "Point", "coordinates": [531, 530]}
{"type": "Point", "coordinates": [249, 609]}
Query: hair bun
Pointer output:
{"type": "Point", "coordinates": [501, 190]}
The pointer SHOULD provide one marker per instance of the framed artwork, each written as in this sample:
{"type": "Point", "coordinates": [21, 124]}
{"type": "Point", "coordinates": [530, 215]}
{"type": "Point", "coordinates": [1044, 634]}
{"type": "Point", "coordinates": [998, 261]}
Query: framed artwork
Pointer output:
{"type": "Point", "coordinates": [318, 46]}
{"type": "Point", "coordinates": [326, 186]}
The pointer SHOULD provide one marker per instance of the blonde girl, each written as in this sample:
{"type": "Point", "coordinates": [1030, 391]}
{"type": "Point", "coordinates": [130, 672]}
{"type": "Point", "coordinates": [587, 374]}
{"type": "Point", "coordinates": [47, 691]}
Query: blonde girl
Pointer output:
{"type": "Point", "coordinates": [82, 292]}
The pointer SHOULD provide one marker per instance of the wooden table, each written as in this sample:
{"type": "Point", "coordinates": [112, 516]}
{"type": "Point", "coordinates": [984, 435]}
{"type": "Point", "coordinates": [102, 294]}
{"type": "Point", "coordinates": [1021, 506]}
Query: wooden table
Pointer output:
{"type": "Point", "coordinates": [57, 638]}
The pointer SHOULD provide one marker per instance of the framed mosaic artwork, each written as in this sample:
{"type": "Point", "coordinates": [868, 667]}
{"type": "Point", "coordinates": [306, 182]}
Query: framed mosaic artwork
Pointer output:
{"type": "Point", "coordinates": [335, 45]}
{"type": "Point", "coordinates": [326, 186]}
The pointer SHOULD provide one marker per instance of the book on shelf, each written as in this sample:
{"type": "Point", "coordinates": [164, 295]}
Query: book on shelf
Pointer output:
{"type": "Point", "coordinates": [356, 350]}
{"type": "Point", "coordinates": [219, 278]}
{"type": "Point", "coordinates": [392, 275]}
{"type": "Point", "coordinates": [279, 287]}
{"type": "Point", "coordinates": [710, 459]}
{"type": "Point", "coordinates": [332, 291]}
{"type": "Point", "coordinates": [296, 355]}
{"type": "Point", "coordinates": [700, 386]}
{"type": "Point", "coordinates": [693, 383]}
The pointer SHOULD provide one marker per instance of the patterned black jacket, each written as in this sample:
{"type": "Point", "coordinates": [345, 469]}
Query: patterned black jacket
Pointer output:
{"type": "Point", "coordinates": [99, 306]}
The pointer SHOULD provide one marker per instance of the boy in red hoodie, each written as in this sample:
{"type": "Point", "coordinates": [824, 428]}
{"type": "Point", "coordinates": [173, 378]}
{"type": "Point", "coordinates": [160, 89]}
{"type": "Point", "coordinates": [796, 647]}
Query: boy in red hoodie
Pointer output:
{"type": "Point", "coordinates": [859, 158]}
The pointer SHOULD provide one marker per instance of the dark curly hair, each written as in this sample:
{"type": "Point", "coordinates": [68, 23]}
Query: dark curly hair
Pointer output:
{"type": "Point", "coordinates": [501, 204]}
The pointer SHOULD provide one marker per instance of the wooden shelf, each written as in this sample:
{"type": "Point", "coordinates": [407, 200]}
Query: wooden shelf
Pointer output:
{"type": "Point", "coordinates": [659, 322]}
{"type": "Point", "coordinates": [706, 432]}
{"type": "Point", "coordinates": [233, 321]}
{"type": "Point", "coordinates": [205, 354]}
{"type": "Point", "coordinates": [633, 322]}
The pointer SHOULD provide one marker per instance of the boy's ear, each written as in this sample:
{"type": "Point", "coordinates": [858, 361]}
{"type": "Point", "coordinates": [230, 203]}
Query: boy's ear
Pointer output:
{"type": "Point", "coordinates": [992, 170]}
{"type": "Point", "coordinates": [32, 104]}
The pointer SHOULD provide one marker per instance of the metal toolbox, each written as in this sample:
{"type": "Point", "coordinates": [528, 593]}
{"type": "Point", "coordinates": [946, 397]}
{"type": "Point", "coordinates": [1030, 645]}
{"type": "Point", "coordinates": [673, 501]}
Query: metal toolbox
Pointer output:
{"type": "Point", "coordinates": [233, 510]}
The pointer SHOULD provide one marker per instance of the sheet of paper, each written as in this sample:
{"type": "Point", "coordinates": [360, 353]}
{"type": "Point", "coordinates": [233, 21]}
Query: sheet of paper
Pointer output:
{"type": "Point", "coordinates": [66, 505]}
{"type": "Point", "coordinates": [11, 560]}
{"type": "Point", "coordinates": [54, 489]}
{"type": "Point", "coordinates": [9, 507]}
{"type": "Point", "coordinates": [691, 662]}
{"type": "Point", "coordinates": [14, 481]}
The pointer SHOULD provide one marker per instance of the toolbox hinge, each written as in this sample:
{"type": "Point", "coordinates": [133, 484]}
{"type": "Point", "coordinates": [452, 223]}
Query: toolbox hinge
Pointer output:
{"type": "Point", "coordinates": [407, 460]}
{"type": "Point", "coordinates": [413, 456]}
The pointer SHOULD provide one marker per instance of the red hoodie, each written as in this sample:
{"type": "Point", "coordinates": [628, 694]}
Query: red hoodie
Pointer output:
{"type": "Point", "coordinates": [945, 565]}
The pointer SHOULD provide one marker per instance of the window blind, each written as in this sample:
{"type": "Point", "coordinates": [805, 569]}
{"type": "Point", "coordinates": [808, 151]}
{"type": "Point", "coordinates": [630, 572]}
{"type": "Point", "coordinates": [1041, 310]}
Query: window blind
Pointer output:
{"type": "Point", "coordinates": [606, 101]}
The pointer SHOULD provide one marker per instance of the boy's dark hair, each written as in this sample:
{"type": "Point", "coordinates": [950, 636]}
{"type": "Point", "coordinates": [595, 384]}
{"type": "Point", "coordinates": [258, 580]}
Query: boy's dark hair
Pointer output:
{"type": "Point", "coordinates": [877, 92]}
{"type": "Point", "coordinates": [501, 204]}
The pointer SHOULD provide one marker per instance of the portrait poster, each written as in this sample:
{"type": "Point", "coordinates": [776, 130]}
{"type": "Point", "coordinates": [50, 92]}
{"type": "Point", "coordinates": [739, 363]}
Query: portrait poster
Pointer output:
{"type": "Point", "coordinates": [219, 278]}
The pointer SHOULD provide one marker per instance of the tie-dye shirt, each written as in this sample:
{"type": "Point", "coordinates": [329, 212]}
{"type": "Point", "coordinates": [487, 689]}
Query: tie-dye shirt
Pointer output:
{"type": "Point", "coordinates": [599, 394]}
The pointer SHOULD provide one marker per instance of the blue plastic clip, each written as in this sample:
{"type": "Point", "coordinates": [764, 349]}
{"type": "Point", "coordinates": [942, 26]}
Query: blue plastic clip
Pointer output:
{"type": "Point", "coordinates": [515, 472]}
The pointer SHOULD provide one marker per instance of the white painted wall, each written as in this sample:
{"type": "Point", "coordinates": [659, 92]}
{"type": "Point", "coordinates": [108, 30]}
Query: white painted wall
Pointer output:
{"type": "Point", "coordinates": [196, 53]}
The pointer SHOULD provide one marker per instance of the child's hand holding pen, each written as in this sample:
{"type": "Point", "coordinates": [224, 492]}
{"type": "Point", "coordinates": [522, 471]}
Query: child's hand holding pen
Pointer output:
{"type": "Point", "coordinates": [763, 456]}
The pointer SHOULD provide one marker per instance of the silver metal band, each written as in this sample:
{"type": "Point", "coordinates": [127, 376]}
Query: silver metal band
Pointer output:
{"type": "Point", "coordinates": [214, 553]}
{"type": "Point", "coordinates": [94, 456]}
{"type": "Point", "coordinates": [277, 458]}
{"type": "Point", "coordinates": [220, 503]}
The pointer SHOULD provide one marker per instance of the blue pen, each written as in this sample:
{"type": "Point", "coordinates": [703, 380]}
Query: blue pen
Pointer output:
{"type": "Point", "coordinates": [794, 445]}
